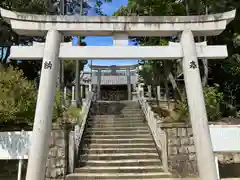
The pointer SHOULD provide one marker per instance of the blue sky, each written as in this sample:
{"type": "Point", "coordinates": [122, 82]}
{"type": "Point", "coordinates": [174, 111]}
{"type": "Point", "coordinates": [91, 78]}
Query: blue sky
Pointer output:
{"type": "Point", "coordinates": [109, 9]}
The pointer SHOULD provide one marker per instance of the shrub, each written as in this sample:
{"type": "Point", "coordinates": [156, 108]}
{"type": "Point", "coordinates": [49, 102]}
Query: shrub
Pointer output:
{"type": "Point", "coordinates": [212, 97]}
{"type": "Point", "coordinates": [18, 98]}
{"type": "Point", "coordinates": [71, 115]}
{"type": "Point", "coordinates": [58, 107]}
{"type": "Point", "coordinates": [180, 113]}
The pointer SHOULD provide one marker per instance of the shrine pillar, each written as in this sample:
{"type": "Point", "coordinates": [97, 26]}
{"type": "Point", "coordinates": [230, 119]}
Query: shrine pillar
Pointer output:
{"type": "Point", "coordinates": [99, 84]}
{"type": "Point", "coordinates": [129, 84]}
{"type": "Point", "coordinates": [43, 115]}
{"type": "Point", "coordinates": [197, 108]}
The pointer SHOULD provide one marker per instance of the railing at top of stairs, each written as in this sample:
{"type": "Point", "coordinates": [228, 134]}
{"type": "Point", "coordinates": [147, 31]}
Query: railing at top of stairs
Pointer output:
{"type": "Point", "coordinates": [158, 134]}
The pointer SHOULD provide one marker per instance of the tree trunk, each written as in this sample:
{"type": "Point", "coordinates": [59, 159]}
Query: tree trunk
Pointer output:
{"type": "Point", "coordinates": [166, 75]}
{"type": "Point", "coordinates": [77, 83]}
{"type": "Point", "coordinates": [61, 64]}
{"type": "Point", "coordinates": [205, 75]}
{"type": "Point", "coordinates": [156, 82]}
{"type": "Point", "coordinates": [205, 62]}
{"type": "Point", "coordinates": [186, 7]}
{"type": "Point", "coordinates": [175, 87]}
{"type": "Point", "coordinates": [156, 96]}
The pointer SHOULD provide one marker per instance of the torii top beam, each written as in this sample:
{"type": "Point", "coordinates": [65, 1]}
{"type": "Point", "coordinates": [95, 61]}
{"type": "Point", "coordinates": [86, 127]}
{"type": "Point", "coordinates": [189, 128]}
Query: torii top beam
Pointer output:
{"type": "Point", "coordinates": [38, 25]}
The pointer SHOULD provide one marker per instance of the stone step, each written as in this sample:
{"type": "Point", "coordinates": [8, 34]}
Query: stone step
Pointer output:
{"type": "Point", "coordinates": [91, 176]}
{"type": "Point", "coordinates": [127, 129]}
{"type": "Point", "coordinates": [119, 156]}
{"type": "Point", "coordinates": [126, 119]}
{"type": "Point", "coordinates": [118, 141]}
{"type": "Point", "coordinates": [116, 124]}
{"type": "Point", "coordinates": [110, 125]}
{"type": "Point", "coordinates": [119, 150]}
{"type": "Point", "coordinates": [122, 163]}
{"type": "Point", "coordinates": [130, 111]}
{"type": "Point", "coordinates": [121, 103]}
{"type": "Point", "coordinates": [112, 108]}
{"type": "Point", "coordinates": [99, 113]}
{"type": "Point", "coordinates": [108, 111]}
{"type": "Point", "coordinates": [118, 118]}
{"type": "Point", "coordinates": [122, 145]}
{"type": "Point", "coordinates": [119, 169]}
{"type": "Point", "coordinates": [120, 114]}
{"type": "Point", "coordinates": [119, 106]}
{"type": "Point", "coordinates": [122, 136]}
{"type": "Point", "coordinates": [96, 132]}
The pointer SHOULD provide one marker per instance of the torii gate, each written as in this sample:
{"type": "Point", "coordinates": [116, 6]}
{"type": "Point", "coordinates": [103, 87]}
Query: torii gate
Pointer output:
{"type": "Point", "coordinates": [54, 27]}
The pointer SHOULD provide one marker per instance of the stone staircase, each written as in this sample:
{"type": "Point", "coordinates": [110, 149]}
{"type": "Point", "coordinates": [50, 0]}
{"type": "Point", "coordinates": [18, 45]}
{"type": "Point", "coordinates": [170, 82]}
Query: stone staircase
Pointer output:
{"type": "Point", "coordinates": [118, 145]}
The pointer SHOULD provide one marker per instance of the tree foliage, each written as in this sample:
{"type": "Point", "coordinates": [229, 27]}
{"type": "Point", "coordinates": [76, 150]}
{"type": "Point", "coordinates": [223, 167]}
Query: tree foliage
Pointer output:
{"type": "Point", "coordinates": [69, 71]}
{"type": "Point", "coordinates": [213, 99]}
{"type": "Point", "coordinates": [18, 97]}
{"type": "Point", "coordinates": [8, 37]}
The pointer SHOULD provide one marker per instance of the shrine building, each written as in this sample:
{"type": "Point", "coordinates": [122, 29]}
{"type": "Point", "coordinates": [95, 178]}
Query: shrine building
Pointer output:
{"type": "Point", "coordinates": [111, 83]}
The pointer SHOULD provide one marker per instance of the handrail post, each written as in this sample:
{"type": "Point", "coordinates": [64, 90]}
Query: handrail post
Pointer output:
{"type": "Point", "coordinates": [164, 151]}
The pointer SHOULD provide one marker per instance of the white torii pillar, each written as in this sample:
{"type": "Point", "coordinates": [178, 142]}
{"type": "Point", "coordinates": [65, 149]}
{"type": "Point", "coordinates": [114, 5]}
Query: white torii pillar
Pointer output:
{"type": "Point", "coordinates": [43, 116]}
{"type": "Point", "coordinates": [197, 108]}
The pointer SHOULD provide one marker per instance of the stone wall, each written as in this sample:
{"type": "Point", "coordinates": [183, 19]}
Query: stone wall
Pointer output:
{"type": "Point", "coordinates": [182, 155]}
{"type": "Point", "coordinates": [57, 163]}
{"type": "Point", "coordinates": [181, 149]}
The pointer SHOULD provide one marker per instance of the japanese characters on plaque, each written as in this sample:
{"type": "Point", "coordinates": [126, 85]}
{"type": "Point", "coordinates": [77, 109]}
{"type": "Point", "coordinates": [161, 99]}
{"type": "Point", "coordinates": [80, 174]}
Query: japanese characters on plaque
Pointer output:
{"type": "Point", "coordinates": [47, 65]}
{"type": "Point", "coordinates": [193, 65]}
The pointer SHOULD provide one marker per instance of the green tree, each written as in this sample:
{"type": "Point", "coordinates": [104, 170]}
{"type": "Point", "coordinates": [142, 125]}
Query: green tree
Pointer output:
{"type": "Point", "coordinates": [70, 71]}
{"type": "Point", "coordinates": [17, 97]}
{"type": "Point", "coordinates": [226, 72]}
{"type": "Point", "coordinates": [8, 37]}
{"type": "Point", "coordinates": [213, 98]}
